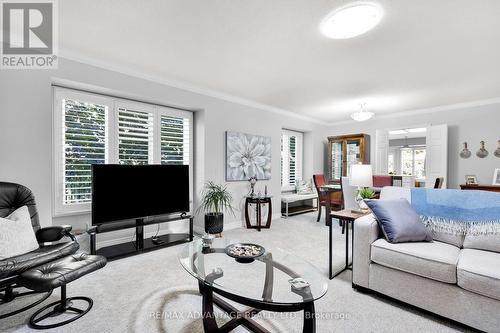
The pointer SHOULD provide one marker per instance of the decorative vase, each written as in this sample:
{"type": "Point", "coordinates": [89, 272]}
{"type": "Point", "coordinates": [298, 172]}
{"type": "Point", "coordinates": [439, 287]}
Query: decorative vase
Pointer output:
{"type": "Point", "coordinates": [253, 181]}
{"type": "Point", "coordinates": [482, 152]}
{"type": "Point", "coordinates": [497, 152]}
{"type": "Point", "coordinates": [465, 153]}
{"type": "Point", "coordinates": [207, 240]}
{"type": "Point", "coordinates": [363, 205]}
{"type": "Point", "coordinates": [214, 223]}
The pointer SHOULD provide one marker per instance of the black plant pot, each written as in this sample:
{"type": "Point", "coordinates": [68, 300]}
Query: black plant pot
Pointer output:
{"type": "Point", "coordinates": [214, 223]}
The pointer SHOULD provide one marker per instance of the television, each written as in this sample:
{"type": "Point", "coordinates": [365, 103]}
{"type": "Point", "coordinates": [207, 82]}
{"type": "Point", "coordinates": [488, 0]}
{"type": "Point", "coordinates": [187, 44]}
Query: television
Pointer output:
{"type": "Point", "coordinates": [123, 192]}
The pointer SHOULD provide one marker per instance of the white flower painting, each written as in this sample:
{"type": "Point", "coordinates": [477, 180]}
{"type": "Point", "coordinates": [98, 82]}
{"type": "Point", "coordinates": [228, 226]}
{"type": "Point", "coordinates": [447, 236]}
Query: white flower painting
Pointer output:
{"type": "Point", "coordinates": [247, 155]}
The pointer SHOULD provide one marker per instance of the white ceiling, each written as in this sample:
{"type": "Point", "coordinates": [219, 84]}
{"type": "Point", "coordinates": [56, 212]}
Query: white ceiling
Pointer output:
{"type": "Point", "coordinates": [425, 53]}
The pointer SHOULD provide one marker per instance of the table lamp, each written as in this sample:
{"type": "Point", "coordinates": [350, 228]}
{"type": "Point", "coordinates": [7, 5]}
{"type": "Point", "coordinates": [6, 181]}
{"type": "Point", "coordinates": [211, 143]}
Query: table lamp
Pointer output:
{"type": "Point", "coordinates": [362, 177]}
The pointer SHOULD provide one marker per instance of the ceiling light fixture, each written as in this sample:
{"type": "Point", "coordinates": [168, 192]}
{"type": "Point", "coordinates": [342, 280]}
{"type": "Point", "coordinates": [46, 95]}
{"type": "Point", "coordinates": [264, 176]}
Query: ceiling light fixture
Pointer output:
{"type": "Point", "coordinates": [417, 130]}
{"type": "Point", "coordinates": [362, 114]}
{"type": "Point", "coordinates": [398, 132]}
{"type": "Point", "coordinates": [352, 20]}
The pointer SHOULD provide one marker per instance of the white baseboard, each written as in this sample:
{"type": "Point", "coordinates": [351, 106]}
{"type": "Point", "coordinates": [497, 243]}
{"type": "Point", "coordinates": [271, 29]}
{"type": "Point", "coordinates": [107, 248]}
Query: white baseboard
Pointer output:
{"type": "Point", "coordinates": [230, 225]}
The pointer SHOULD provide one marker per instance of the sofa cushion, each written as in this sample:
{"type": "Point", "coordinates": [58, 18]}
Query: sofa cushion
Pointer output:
{"type": "Point", "coordinates": [433, 260]}
{"type": "Point", "coordinates": [479, 271]}
{"type": "Point", "coordinates": [395, 192]}
{"type": "Point", "coordinates": [16, 234]}
{"type": "Point", "coordinates": [446, 237]}
{"type": "Point", "coordinates": [294, 197]}
{"type": "Point", "coordinates": [399, 221]}
{"type": "Point", "coordinates": [477, 241]}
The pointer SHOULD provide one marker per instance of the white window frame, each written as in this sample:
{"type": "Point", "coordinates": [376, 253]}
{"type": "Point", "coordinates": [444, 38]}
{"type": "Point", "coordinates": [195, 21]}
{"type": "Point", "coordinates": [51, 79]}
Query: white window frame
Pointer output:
{"type": "Point", "coordinates": [298, 160]}
{"type": "Point", "coordinates": [112, 104]}
{"type": "Point", "coordinates": [413, 158]}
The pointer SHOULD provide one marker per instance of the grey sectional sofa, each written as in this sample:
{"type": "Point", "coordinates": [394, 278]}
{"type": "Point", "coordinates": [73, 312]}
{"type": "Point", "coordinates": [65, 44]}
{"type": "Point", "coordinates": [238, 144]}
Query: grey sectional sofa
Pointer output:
{"type": "Point", "coordinates": [455, 277]}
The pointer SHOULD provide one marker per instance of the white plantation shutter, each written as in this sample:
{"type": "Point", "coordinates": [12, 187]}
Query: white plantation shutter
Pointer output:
{"type": "Point", "coordinates": [291, 159]}
{"type": "Point", "coordinates": [174, 137]}
{"type": "Point", "coordinates": [81, 138]}
{"type": "Point", "coordinates": [85, 143]}
{"type": "Point", "coordinates": [135, 136]}
{"type": "Point", "coordinates": [95, 129]}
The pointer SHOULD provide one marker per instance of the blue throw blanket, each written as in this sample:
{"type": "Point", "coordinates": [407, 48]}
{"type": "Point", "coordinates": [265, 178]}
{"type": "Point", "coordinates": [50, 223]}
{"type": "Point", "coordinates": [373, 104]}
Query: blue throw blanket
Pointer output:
{"type": "Point", "coordinates": [458, 212]}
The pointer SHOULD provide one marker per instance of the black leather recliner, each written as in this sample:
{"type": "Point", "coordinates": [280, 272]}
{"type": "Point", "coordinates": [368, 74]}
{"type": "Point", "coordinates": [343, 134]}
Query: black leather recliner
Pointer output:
{"type": "Point", "coordinates": [12, 197]}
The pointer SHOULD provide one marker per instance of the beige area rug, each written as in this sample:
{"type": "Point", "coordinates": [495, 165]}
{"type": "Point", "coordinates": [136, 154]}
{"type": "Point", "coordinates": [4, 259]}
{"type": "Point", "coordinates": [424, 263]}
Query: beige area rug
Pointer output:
{"type": "Point", "coordinates": [178, 309]}
{"type": "Point", "coordinates": [128, 293]}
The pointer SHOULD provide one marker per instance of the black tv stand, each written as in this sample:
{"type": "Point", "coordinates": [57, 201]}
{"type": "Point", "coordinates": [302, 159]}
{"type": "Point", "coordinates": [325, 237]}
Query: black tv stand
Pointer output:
{"type": "Point", "coordinates": [140, 245]}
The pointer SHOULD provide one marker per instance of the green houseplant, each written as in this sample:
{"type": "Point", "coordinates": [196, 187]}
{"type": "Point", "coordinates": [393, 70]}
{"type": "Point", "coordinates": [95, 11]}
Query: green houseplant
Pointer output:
{"type": "Point", "coordinates": [215, 199]}
{"type": "Point", "coordinates": [362, 194]}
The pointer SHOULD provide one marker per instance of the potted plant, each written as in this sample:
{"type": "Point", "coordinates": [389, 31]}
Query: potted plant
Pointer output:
{"type": "Point", "coordinates": [362, 194]}
{"type": "Point", "coordinates": [215, 200]}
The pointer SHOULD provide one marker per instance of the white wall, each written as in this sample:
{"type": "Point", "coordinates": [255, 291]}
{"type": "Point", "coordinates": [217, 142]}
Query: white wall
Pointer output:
{"type": "Point", "coordinates": [26, 131]}
{"type": "Point", "coordinates": [465, 123]}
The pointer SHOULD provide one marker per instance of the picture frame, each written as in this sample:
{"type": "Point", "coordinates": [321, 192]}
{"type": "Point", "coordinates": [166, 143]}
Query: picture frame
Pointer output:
{"type": "Point", "coordinates": [496, 177]}
{"type": "Point", "coordinates": [471, 180]}
{"type": "Point", "coordinates": [247, 155]}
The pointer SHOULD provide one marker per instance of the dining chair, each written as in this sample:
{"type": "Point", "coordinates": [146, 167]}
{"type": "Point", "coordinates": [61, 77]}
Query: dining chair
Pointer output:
{"type": "Point", "coordinates": [439, 182]}
{"type": "Point", "coordinates": [336, 203]}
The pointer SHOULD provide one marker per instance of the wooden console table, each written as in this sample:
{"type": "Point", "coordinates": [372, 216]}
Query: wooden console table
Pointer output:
{"type": "Point", "coordinates": [479, 187]}
{"type": "Point", "coordinates": [258, 202]}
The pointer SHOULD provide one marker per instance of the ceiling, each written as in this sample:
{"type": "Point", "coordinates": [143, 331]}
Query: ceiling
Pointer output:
{"type": "Point", "coordinates": [425, 53]}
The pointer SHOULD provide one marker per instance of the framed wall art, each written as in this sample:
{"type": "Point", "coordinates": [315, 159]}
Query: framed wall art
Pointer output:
{"type": "Point", "coordinates": [247, 155]}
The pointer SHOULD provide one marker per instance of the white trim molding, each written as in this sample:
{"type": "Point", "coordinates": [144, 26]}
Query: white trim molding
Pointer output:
{"type": "Point", "coordinates": [78, 57]}
{"type": "Point", "coordinates": [440, 108]}
{"type": "Point", "coordinates": [74, 56]}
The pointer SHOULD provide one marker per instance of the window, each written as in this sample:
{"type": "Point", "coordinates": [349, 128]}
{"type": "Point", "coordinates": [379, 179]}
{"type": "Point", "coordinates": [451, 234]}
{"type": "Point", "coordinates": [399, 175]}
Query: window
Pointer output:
{"type": "Point", "coordinates": [291, 159]}
{"type": "Point", "coordinates": [174, 140]}
{"type": "Point", "coordinates": [85, 138]}
{"type": "Point", "coordinates": [391, 167]}
{"type": "Point", "coordinates": [413, 162]}
{"type": "Point", "coordinates": [135, 136]}
{"type": "Point", "coordinates": [94, 129]}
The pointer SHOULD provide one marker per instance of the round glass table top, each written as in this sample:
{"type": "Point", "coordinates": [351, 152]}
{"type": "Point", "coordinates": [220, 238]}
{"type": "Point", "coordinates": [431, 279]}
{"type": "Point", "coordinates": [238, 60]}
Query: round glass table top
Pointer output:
{"type": "Point", "coordinates": [277, 277]}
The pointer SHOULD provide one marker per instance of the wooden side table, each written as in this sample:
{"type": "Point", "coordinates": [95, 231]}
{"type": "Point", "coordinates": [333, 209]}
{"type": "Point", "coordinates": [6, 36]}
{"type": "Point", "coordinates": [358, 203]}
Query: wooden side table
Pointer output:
{"type": "Point", "coordinates": [479, 187]}
{"type": "Point", "coordinates": [258, 202]}
{"type": "Point", "coordinates": [345, 216]}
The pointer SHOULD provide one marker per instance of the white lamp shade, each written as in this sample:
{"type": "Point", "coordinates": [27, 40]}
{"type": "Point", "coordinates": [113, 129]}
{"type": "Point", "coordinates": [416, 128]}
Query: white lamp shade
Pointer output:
{"type": "Point", "coordinates": [361, 175]}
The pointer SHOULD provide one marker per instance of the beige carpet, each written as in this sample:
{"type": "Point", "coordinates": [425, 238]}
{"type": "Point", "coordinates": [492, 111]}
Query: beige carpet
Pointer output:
{"type": "Point", "coordinates": [152, 292]}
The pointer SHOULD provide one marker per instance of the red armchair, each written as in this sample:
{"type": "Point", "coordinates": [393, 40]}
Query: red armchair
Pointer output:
{"type": "Point", "coordinates": [381, 181]}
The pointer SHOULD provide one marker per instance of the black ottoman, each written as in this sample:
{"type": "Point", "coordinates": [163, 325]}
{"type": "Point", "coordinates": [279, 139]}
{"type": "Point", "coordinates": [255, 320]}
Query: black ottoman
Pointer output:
{"type": "Point", "coordinates": [57, 274]}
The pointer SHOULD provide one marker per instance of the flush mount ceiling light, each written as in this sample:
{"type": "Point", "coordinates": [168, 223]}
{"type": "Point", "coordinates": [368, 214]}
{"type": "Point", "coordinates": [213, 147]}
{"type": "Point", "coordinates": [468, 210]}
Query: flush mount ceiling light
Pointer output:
{"type": "Point", "coordinates": [408, 130]}
{"type": "Point", "coordinates": [352, 20]}
{"type": "Point", "coordinates": [362, 114]}
{"type": "Point", "coordinates": [417, 130]}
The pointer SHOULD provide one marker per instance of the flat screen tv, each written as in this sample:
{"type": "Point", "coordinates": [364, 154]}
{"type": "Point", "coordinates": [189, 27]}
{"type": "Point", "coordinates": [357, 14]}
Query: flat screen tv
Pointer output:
{"type": "Point", "coordinates": [122, 192]}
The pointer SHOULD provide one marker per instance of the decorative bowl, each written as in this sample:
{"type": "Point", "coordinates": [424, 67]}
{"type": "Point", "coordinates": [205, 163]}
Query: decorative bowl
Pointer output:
{"type": "Point", "coordinates": [244, 252]}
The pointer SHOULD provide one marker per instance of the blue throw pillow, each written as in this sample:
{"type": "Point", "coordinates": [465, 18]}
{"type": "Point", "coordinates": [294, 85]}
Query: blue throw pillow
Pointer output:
{"type": "Point", "coordinates": [399, 222]}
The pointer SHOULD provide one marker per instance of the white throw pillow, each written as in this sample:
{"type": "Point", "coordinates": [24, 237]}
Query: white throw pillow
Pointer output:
{"type": "Point", "coordinates": [16, 234]}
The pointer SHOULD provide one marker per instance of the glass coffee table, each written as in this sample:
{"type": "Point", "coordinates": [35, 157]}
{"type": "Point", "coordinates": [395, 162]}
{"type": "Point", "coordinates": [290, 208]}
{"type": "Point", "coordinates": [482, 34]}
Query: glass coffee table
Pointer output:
{"type": "Point", "coordinates": [263, 284]}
